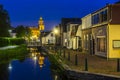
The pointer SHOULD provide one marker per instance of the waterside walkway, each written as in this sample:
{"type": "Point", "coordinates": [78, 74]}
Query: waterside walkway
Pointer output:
{"type": "Point", "coordinates": [7, 47]}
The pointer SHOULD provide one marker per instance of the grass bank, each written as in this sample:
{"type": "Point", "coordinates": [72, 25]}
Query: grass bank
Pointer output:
{"type": "Point", "coordinates": [57, 66]}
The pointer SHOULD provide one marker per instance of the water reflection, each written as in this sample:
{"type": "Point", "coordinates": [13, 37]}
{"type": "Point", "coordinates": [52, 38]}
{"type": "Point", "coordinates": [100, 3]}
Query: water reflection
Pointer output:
{"type": "Point", "coordinates": [41, 60]}
{"type": "Point", "coordinates": [28, 71]}
{"type": "Point", "coordinates": [10, 67]}
{"type": "Point", "coordinates": [4, 71]}
{"type": "Point", "coordinates": [37, 67]}
{"type": "Point", "coordinates": [37, 56]}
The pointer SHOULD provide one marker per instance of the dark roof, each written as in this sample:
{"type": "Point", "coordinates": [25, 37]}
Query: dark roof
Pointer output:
{"type": "Point", "coordinates": [13, 31]}
{"type": "Point", "coordinates": [65, 21]}
{"type": "Point", "coordinates": [74, 23]}
{"type": "Point", "coordinates": [107, 5]}
{"type": "Point", "coordinates": [118, 2]}
{"type": "Point", "coordinates": [45, 33]}
{"type": "Point", "coordinates": [74, 30]}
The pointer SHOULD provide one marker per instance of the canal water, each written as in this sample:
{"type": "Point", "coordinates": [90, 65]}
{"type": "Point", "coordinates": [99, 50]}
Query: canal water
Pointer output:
{"type": "Point", "coordinates": [29, 70]}
{"type": "Point", "coordinates": [36, 67]}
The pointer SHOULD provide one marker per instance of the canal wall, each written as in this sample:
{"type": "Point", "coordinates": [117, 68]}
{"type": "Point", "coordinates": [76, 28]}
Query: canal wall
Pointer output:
{"type": "Point", "coordinates": [72, 74]}
{"type": "Point", "coordinates": [83, 75]}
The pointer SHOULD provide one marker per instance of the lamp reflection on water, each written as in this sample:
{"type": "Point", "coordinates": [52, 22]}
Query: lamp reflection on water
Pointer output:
{"type": "Point", "coordinates": [10, 67]}
{"type": "Point", "coordinates": [35, 58]}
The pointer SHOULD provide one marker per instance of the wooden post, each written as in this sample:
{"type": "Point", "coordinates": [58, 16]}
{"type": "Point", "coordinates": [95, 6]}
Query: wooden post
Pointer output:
{"type": "Point", "coordinates": [86, 64]}
{"type": "Point", "coordinates": [60, 51]}
{"type": "Point", "coordinates": [64, 54]}
{"type": "Point", "coordinates": [76, 59]}
{"type": "Point", "coordinates": [68, 56]}
{"type": "Point", "coordinates": [118, 65]}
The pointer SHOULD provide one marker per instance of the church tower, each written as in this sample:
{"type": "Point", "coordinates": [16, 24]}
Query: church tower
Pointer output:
{"type": "Point", "coordinates": [41, 24]}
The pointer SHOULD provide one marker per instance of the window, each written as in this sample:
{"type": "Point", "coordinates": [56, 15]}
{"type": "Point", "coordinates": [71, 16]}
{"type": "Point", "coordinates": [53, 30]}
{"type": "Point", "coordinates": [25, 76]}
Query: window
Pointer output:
{"type": "Point", "coordinates": [116, 43]}
{"type": "Point", "coordinates": [103, 16]}
{"type": "Point", "coordinates": [101, 44]}
{"type": "Point", "coordinates": [87, 41]}
{"type": "Point", "coordinates": [51, 34]}
{"type": "Point", "coordinates": [95, 19]}
{"type": "Point", "coordinates": [68, 28]}
{"type": "Point", "coordinates": [100, 17]}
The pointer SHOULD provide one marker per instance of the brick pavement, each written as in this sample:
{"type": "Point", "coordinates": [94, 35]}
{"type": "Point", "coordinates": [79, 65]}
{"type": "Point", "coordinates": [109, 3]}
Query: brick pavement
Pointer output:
{"type": "Point", "coordinates": [95, 64]}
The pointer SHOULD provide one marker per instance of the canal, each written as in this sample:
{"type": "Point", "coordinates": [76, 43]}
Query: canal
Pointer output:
{"type": "Point", "coordinates": [35, 67]}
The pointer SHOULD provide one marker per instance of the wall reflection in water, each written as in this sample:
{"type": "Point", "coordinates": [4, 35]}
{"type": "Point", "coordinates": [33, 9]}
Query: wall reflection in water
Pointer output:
{"type": "Point", "coordinates": [38, 56]}
{"type": "Point", "coordinates": [37, 67]}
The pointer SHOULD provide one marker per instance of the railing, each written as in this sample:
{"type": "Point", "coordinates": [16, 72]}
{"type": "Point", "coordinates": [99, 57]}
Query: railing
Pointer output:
{"type": "Point", "coordinates": [33, 43]}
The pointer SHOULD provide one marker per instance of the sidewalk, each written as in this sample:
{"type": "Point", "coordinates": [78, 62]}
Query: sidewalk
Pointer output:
{"type": "Point", "coordinates": [7, 47]}
{"type": "Point", "coordinates": [95, 64]}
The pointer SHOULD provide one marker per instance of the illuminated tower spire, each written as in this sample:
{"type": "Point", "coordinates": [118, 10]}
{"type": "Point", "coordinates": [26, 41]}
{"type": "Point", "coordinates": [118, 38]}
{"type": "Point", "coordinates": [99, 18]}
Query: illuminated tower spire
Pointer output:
{"type": "Point", "coordinates": [41, 24]}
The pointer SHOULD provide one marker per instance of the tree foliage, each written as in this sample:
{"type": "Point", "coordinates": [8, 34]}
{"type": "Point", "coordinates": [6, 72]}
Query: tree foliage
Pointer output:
{"type": "Point", "coordinates": [28, 33]}
{"type": "Point", "coordinates": [4, 22]}
{"type": "Point", "coordinates": [23, 31]}
{"type": "Point", "coordinates": [20, 30]}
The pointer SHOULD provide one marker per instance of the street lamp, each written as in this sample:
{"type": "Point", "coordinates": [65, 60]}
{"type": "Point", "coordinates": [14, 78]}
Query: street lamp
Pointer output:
{"type": "Point", "coordinates": [55, 32]}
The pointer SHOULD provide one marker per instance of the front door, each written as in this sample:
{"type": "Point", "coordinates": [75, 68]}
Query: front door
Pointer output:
{"type": "Point", "coordinates": [92, 47]}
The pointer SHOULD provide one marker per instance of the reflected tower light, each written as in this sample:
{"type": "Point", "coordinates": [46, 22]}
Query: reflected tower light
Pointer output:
{"type": "Point", "coordinates": [41, 61]}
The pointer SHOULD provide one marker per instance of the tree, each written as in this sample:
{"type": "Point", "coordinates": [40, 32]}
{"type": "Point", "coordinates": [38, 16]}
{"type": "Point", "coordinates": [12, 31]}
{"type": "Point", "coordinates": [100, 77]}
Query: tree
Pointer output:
{"type": "Point", "coordinates": [23, 32]}
{"type": "Point", "coordinates": [20, 30]}
{"type": "Point", "coordinates": [4, 22]}
{"type": "Point", "coordinates": [28, 33]}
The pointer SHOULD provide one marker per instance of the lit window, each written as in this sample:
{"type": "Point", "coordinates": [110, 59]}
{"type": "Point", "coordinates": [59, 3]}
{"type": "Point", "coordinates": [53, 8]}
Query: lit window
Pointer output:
{"type": "Point", "coordinates": [101, 44]}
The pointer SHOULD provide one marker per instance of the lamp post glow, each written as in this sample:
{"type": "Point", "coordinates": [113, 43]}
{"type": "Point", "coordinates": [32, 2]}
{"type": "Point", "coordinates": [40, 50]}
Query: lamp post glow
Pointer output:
{"type": "Point", "coordinates": [55, 32]}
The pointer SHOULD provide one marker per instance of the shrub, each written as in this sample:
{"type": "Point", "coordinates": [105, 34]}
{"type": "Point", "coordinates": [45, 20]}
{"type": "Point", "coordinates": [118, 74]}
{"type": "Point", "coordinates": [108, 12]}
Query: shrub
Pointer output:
{"type": "Point", "coordinates": [11, 41]}
{"type": "Point", "coordinates": [16, 41]}
{"type": "Point", "coordinates": [3, 42]}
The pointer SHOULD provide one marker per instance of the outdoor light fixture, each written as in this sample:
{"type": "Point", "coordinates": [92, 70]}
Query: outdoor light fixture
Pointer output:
{"type": "Point", "coordinates": [55, 31]}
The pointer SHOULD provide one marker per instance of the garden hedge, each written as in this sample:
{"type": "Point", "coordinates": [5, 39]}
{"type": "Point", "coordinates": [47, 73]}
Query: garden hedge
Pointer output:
{"type": "Point", "coordinates": [11, 41]}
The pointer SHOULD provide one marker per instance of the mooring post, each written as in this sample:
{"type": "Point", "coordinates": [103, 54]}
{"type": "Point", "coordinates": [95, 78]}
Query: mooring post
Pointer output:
{"type": "Point", "coordinates": [60, 51]}
{"type": "Point", "coordinates": [86, 64]}
{"type": "Point", "coordinates": [68, 56]}
{"type": "Point", "coordinates": [76, 59]}
{"type": "Point", "coordinates": [118, 65]}
{"type": "Point", "coordinates": [64, 54]}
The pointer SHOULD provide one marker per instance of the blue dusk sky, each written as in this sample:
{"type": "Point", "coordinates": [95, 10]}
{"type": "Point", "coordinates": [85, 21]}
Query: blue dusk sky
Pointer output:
{"type": "Point", "coordinates": [28, 12]}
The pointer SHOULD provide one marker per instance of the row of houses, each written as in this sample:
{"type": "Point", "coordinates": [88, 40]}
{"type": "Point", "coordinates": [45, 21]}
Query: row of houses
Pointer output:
{"type": "Point", "coordinates": [97, 33]}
